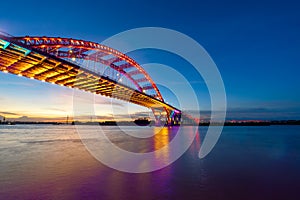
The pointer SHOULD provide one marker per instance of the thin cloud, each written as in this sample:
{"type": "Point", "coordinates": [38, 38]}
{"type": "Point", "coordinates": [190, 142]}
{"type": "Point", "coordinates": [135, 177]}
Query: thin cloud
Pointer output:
{"type": "Point", "coordinates": [258, 113]}
{"type": "Point", "coordinates": [56, 109]}
{"type": "Point", "coordinates": [86, 98]}
{"type": "Point", "coordinates": [9, 113]}
{"type": "Point", "coordinates": [106, 102]}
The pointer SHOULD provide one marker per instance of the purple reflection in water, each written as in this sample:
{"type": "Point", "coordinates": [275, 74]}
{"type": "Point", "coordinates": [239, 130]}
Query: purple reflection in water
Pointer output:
{"type": "Point", "coordinates": [50, 162]}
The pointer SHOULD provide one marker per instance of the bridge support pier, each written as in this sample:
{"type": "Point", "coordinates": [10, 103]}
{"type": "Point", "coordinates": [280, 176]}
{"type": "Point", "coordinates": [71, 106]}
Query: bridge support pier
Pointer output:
{"type": "Point", "coordinates": [174, 118]}
{"type": "Point", "coordinates": [169, 118]}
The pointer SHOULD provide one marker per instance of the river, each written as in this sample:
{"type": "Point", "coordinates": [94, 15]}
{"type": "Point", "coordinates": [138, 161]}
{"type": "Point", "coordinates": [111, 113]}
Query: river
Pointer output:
{"type": "Point", "coordinates": [51, 162]}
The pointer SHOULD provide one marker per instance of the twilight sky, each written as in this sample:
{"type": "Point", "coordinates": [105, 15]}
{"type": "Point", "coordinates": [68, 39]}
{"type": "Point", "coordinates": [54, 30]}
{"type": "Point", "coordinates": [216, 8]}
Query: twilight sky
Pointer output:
{"type": "Point", "coordinates": [255, 45]}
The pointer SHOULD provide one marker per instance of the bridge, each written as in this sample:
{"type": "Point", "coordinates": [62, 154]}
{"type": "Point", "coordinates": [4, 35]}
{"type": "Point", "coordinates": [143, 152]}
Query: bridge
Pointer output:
{"type": "Point", "coordinates": [86, 66]}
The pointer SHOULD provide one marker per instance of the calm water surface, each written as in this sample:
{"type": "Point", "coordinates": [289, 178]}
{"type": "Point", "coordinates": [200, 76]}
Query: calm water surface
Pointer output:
{"type": "Point", "coordinates": [50, 162]}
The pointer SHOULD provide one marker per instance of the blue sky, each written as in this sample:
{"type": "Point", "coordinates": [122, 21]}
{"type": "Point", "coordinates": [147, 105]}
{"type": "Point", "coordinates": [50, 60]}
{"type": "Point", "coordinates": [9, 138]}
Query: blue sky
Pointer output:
{"type": "Point", "coordinates": [255, 45]}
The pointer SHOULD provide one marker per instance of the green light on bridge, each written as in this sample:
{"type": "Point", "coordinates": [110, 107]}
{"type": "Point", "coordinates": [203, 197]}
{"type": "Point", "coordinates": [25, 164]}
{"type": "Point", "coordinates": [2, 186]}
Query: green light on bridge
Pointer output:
{"type": "Point", "coordinates": [4, 44]}
{"type": "Point", "coordinates": [27, 52]}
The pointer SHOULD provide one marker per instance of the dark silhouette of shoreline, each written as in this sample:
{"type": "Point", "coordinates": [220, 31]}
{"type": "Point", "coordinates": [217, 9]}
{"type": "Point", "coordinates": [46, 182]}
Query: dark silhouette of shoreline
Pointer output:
{"type": "Point", "coordinates": [132, 123]}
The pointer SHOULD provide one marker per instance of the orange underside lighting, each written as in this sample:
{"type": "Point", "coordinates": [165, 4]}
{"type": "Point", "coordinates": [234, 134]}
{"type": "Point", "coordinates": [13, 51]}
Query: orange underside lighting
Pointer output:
{"type": "Point", "coordinates": [47, 68]}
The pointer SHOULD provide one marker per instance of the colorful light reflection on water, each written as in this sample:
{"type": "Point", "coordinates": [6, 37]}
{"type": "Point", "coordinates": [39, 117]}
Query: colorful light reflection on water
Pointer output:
{"type": "Point", "coordinates": [50, 162]}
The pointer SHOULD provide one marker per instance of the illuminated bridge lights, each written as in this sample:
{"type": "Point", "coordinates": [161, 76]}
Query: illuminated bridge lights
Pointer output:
{"type": "Point", "coordinates": [46, 43]}
{"type": "Point", "coordinates": [48, 60]}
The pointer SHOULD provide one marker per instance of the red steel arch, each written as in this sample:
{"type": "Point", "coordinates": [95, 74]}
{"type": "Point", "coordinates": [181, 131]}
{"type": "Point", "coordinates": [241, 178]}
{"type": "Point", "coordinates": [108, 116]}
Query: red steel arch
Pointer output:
{"type": "Point", "coordinates": [78, 49]}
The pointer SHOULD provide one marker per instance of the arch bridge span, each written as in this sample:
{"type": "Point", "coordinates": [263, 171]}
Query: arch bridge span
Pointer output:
{"type": "Point", "coordinates": [87, 66]}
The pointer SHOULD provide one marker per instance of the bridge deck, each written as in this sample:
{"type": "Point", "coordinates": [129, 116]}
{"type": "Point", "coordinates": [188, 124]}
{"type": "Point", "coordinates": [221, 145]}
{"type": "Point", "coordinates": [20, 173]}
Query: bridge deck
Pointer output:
{"type": "Point", "coordinates": [24, 61]}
